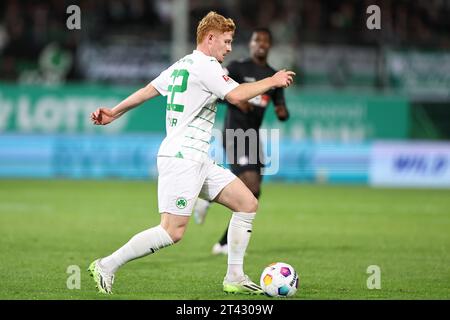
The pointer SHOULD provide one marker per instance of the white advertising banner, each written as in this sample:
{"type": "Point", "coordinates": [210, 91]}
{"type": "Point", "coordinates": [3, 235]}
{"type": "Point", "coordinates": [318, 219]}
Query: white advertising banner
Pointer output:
{"type": "Point", "coordinates": [410, 164]}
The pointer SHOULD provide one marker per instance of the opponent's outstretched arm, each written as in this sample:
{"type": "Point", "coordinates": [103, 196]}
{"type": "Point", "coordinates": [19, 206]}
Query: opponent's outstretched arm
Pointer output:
{"type": "Point", "coordinates": [103, 116]}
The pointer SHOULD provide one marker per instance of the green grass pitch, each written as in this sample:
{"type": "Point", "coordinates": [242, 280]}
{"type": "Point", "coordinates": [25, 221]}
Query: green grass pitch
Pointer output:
{"type": "Point", "coordinates": [330, 234]}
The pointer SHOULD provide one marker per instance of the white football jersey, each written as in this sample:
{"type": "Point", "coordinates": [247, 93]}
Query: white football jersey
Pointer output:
{"type": "Point", "coordinates": [192, 85]}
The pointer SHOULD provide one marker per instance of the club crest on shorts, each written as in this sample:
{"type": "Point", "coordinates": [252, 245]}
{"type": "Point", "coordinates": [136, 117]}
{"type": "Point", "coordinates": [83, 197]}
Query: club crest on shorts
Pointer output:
{"type": "Point", "coordinates": [181, 203]}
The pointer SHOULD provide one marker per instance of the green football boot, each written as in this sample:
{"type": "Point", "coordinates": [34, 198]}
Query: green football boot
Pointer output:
{"type": "Point", "coordinates": [244, 286]}
{"type": "Point", "coordinates": [103, 280]}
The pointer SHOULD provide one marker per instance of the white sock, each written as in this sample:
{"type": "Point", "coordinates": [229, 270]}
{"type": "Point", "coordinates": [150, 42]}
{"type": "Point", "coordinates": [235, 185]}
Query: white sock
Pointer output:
{"type": "Point", "coordinates": [202, 204]}
{"type": "Point", "coordinates": [142, 244]}
{"type": "Point", "coordinates": [239, 232]}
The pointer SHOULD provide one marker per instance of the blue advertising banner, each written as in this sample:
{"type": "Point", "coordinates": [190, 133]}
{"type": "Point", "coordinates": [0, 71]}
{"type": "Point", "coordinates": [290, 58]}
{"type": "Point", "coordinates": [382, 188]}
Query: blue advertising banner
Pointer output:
{"type": "Point", "coordinates": [133, 156]}
{"type": "Point", "coordinates": [408, 164]}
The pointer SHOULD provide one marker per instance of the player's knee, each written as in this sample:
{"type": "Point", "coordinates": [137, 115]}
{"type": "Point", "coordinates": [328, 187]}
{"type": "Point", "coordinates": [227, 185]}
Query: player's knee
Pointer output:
{"type": "Point", "coordinates": [255, 204]}
{"type": "Point", "coordinates": [176, 235]}
{"type": "Point", "coordinates": [251, 205]}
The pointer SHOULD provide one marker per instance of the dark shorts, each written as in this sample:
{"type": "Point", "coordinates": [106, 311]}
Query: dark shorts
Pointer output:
{"type": "Point", "coordinates": [244, 158]}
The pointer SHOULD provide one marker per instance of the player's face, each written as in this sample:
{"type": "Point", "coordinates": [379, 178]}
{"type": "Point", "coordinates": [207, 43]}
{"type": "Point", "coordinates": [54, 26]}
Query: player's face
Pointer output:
{"type": "Point", "coordinates": [221, 45]}
{"type": "Point", "coordinates": [260, 45]}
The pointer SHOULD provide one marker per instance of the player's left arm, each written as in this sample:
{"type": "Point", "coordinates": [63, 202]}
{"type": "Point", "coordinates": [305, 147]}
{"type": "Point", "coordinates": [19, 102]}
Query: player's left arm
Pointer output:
{"type": "Point", "coordinates": [280, 105]}
{"type": "Point", "coordinates": [282, 112]}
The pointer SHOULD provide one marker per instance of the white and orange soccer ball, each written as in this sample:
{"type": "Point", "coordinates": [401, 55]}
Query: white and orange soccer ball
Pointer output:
{"type": "Point", "coordinates": [279, 279]}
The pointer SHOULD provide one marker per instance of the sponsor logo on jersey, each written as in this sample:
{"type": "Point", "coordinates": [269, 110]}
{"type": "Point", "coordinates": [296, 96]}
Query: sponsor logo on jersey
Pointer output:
{"type": "Point", "coordinates": [226, 78]}
{"type": "Point", "coordinates": [260, 101]}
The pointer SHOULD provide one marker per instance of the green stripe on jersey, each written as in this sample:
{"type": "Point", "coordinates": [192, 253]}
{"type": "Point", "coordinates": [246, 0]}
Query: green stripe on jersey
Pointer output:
{"type": "Point", "coordinates": [210, 109]}
{"type": "Point", "coordinates": [198, 139]}
{"type": "Point", "coordinates": [194, 149]}
{"type": "Point", "coordinates": [204, 119]}
{"type": "Point", "coordinates": [191, 126]}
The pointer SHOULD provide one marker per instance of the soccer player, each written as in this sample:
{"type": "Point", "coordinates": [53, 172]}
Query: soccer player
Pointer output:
{"type": "Point", "coordinates": [246, 162]}
{"type": "Point", "coordinates": [192, 85]}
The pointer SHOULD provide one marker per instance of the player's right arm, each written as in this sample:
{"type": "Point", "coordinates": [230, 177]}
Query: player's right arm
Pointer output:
{"type": "Point", "coordinates": [246, 91]}
{"type": "Point", "coordinates": [103, 116]}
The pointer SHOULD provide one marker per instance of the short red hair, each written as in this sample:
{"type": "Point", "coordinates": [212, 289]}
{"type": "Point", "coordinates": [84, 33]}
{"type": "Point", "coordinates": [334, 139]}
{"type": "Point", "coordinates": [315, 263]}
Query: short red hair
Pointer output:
{"type": "Point", "coordinates": [214, 22]}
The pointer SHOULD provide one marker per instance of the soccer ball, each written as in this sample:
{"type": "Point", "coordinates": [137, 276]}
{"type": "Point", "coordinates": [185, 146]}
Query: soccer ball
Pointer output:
{"type": "Point", "coordinates": [279, 279]}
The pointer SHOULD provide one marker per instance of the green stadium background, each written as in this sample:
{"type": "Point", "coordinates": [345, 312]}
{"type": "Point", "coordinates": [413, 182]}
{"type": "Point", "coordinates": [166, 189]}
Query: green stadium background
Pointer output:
{"type": "Point", "coordinates": [363, 164]}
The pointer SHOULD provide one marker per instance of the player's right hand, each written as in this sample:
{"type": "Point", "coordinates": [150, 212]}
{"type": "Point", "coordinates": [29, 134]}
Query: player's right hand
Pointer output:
{"type": "Point", "coordinates": [102, 116]}
{"type": "Point", "coordinates": [283, 78]}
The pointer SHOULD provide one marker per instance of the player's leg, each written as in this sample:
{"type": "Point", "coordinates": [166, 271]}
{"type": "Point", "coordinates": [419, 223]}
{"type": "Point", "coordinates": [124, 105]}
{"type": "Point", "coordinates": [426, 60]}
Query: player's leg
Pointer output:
{"type": "Point", "coordinates": [243, 166]}
{"type": "Point", "coordinates": [140, 245]}
{"type": "Point", "coordinates": [238, 198]}
{"type": "Point", "coordinates": [221, 247]}
{"type": "Point", "coordinates": [175, 225]}
{"type": "Point", "coordinates": [252, 179]}
{"type": "Point", "coordinates": [168, 232]}
{"type": "Point", "coordinates": [226, 189]}
{"type": "Point", "coordinates": [200, 210]}
{"type": "Point", "coordinates": [179, 183]}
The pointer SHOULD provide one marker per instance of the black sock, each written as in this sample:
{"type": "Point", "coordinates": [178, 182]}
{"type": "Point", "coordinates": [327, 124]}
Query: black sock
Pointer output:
{"type": "Point", "coordinates": [223, 241]}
